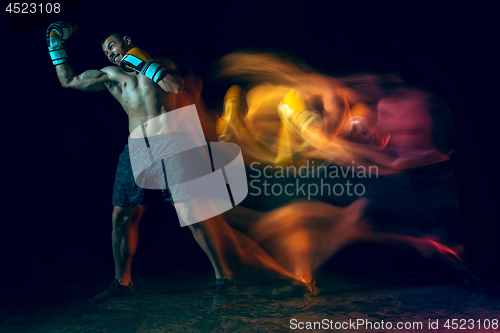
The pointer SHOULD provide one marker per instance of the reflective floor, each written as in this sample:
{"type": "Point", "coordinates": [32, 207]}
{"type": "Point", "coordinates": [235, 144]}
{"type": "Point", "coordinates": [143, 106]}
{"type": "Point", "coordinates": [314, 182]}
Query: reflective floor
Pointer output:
{"type": "Point", "coordinates": [180, 302]}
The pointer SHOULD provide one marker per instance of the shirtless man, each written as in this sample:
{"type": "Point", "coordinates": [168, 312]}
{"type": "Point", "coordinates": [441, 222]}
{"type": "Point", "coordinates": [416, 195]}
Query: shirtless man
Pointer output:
{"type": "Point", "coordinates": [145, 92]}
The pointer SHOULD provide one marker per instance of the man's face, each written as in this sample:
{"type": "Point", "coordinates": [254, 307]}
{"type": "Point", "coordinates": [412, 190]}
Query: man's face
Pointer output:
{"type": "Point", "coordinates": [115, 49]}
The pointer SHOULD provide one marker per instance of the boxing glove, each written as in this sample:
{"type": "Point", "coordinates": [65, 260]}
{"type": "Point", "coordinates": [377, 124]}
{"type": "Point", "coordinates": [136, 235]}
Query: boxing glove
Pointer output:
{"type": "Point", "coordinates": [56, 34]}
{"type": "Point", "coordinates": [139, 61]}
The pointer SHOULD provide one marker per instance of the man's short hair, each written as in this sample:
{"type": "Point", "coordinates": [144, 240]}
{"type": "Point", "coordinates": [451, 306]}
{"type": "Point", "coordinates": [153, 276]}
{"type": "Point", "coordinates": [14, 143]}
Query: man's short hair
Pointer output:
{"type": "Point", "coordinates": [117, 35]}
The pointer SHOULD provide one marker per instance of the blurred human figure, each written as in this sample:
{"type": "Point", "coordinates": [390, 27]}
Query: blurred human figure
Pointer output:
{"type": "Point", "coordinates": [367, 120]}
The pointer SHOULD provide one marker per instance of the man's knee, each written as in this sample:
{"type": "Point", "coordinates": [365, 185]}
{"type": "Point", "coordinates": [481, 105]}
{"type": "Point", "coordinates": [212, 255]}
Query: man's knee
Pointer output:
{"type": "Point", "coordinates": [195, 227]}
{"type": "Point", "coordinates": [121, 216]}
{"type": "Point", "coordinates": [200, 229]}
{"type": "Point", "coordinates": [193, 213]}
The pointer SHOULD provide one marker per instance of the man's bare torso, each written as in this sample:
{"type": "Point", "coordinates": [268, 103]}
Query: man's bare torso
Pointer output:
{"type": "Point", "coordinates": [141, 98]}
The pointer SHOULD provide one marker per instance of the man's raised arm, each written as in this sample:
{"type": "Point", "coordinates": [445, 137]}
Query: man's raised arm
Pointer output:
{"type": "Point", "coordinates": [92, 80]}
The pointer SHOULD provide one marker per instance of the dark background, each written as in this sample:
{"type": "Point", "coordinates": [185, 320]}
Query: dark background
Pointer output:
{"type": "Point", "coordinates": [61, 146]}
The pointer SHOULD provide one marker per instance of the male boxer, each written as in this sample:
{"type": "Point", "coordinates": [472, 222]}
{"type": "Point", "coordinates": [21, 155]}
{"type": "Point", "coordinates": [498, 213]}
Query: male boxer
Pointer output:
{"type": "Point", "coordinates": [146, 89]}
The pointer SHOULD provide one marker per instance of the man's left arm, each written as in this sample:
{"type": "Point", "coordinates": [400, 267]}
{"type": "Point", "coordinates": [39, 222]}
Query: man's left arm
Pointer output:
{"type": "Point", "coordinates": [171, 81]}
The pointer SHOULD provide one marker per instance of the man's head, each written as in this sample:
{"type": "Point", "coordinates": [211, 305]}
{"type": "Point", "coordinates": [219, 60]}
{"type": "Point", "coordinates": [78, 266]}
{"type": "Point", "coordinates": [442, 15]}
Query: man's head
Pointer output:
{"type": "Point", "coordinates": [115, 46]}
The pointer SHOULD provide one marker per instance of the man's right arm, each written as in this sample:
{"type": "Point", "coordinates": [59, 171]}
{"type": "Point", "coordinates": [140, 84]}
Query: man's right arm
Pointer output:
{"type": "Point", "coordinates": [91, 80]}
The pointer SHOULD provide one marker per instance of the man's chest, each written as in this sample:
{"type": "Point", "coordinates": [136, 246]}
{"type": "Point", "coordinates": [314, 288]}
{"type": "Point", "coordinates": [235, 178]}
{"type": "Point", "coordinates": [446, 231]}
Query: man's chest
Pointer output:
{"type": "Point", "coordinates": [136, 88]}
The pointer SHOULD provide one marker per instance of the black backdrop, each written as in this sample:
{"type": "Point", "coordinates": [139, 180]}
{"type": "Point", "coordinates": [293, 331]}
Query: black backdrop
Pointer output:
{"type": "Point", "coordinates": [61, 146]}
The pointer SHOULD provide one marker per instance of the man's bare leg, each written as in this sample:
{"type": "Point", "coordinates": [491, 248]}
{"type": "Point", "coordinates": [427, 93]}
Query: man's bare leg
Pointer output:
{"type": "Point", "coordinates": [124, 238]}
{"type": "Point", "coordinates": [219, 240]}
{"type": "Point", "coordinates": [205, 237]}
